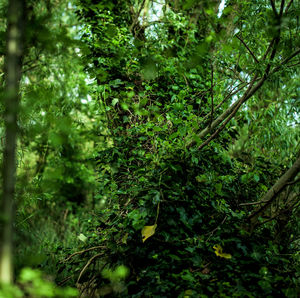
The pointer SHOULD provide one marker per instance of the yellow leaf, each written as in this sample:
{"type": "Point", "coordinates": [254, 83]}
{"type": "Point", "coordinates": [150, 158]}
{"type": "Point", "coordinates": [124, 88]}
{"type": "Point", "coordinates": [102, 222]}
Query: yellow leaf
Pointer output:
{"type": "Point", "coordinates": [148, 231]}
{"type": "Point", "coordinates": [124, 239]}
{"type": "Point", "coordinates": [219, 252]}
{"type": "Point", "coordinates": [188, 293]}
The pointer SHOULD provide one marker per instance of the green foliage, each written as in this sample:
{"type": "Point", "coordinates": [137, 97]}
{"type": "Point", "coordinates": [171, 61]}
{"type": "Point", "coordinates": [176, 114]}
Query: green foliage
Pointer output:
{"type": "Point", "coordinates": [154, 86]}
{"type": "Point", "coordinates": [109, 109]}
{"type": "Point", "coordinates": [31, 283]}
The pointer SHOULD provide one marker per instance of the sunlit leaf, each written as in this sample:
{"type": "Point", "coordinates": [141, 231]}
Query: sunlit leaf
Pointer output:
{"type": "Point", "coordinates": [82, 237]}
{"type": "Point", "coordinates": [148, 231]}
{"type": "Point", "coordinates": [219, 252]}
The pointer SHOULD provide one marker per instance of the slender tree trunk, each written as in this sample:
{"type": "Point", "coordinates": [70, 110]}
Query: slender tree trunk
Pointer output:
{"type": "Point", "coordinates": [13, 66]}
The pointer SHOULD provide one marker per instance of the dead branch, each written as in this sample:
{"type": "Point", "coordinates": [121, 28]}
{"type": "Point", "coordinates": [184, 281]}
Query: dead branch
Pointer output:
{"type": "Point", "coordinates": [82, 251]}
{"type": "Point", "coordinates": [90, 261]}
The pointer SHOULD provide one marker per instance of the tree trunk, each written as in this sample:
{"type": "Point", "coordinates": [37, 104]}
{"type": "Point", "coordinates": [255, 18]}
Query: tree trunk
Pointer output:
{"type": "Point", "coordinates": [13, 66]}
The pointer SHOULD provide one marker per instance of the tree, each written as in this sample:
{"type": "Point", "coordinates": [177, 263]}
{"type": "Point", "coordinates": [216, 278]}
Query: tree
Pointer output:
{"type": "Point", "coordinates": [179, 91]}
{"type": "Point", "coordinates": [13, 67]}
{"type": "Point", "coordinates": [158, 148]}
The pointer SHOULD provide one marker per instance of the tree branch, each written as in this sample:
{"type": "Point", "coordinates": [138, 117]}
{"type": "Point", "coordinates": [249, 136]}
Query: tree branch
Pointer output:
{"type": "Point", "coordinates": [232, 110]}
{"type": "Point", "coordinates": [90, 261]}
{"type": "Point", "coordinates": [224, 115]}
{"type": "Point", "coordinates": [273, 192]}
{"type": "Point", "coordinates": [281, 8]}
{"type": "Point", "coordinates": [294, 182]}
{"type": "Point", "coordinates": [294, 54]}
{"type": "Point", "coordinates": [246, 96]}
{"type": "Point", "coordinates": [249, 50]}
{"type": "Point", "coordinates": [274, 8]}
{"type": "Point", "coordinates": [82, 251]}
{"type": "Point", "coordinates": [212, 95]}
{"type": "Point", "coordinates": [232, 93]}
{"type": "Point", "coordinates": [136, 17]}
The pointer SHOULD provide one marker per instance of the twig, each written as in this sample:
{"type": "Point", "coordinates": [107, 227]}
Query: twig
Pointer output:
{"type": "Point", "coordinates": [251, 53]}
{"type": "Point", "coordinates": [294, 54]}
{"type": "Point", "coordinates": [248, 93]}
{"type": "Point", "coordinates": [252, 203]}
{"type": "Point", "coordinates": [82, 251]}
{"type": "Point", "coordinates": [288, 6]}
{"type": "Point", "coordinates": [231, 115]}
{"type": "Point", "coordinates": [212, 232]}
{"type": "Point", "coordinates": [186, 81]}
{"type": "Point", "coordinates": [237, 75]}
{"type": "Point", "coordinates": [292, 65]}
{"type": "Point", "coordinates": [229, 95]}
{"type": "Point", "coordinates": [268, 49]}
{"type": "Point", "coordinates": [267, 220]}
{"type": "Point", "coordinates": [212, 94]}
{"type": "Point", "coordinates": [88, 264]}
{"type": "Point", "coordinates": [294, 182]}
{"type": "Point", "coordinates": [137, 15]}
{"type": "Point", "coordinates": [65, 280]}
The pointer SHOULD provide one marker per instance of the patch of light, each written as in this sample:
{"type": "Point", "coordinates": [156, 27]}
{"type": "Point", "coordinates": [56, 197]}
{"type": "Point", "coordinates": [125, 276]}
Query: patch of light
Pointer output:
{"type": "Point", "coordinates": [89, 98]}
{"type": "Point", "coordinates": [43, 113]}
{"type": "Point", "coordinates": [84, 101]}
{"type": "Point", "coordinates": [26, 81]}
{"type": "Point", "coordinates": [236, 31]}
{"type": "Point", "coordinates": [221, 8]}
{"type": "Point", "coordinates": [157, 11]}
{"type": "Point", "coordinates": [89, 80]}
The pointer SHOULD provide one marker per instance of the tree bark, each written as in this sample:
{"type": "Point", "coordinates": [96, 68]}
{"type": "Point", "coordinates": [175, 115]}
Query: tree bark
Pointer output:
{"type": "Point", "coordinates": [13, 67]}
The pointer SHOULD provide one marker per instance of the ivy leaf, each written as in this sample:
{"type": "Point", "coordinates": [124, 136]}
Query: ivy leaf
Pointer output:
{"type": "Point", "coordinates": [219, 252]}
{"type": "Point", "coordinates": [148, 231]}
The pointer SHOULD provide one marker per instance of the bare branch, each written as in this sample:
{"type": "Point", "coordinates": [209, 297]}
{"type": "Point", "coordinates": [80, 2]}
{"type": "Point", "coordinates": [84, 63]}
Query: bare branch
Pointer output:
{"type": "Point", "coordinates": [82, 251]}
{"type": "Point", "coordinates": [90, 261]}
